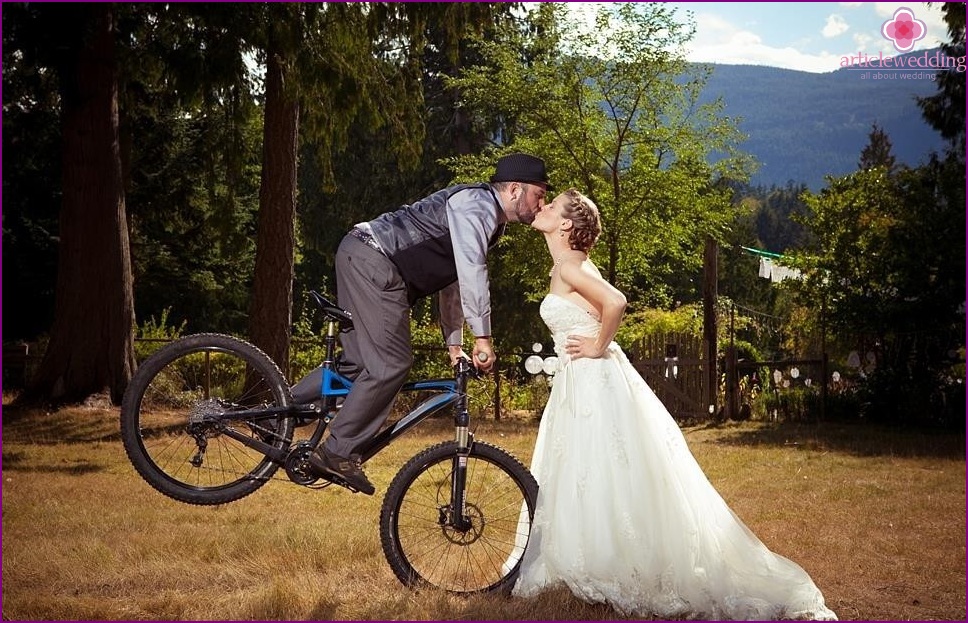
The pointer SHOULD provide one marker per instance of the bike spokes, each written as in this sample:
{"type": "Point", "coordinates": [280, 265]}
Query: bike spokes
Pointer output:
{"type": "Point", "coordinates": [477, 551]}
{"type": "Point", "coordinates": [192, 415]}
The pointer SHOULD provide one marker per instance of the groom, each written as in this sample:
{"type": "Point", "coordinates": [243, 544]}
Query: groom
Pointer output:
{"type": "Point", "coordinates": [437, 244]}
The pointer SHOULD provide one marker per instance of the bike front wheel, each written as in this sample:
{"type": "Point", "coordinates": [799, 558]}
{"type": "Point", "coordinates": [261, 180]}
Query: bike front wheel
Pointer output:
{"type": "Point", "coordinates": [418, 533]}
{"type": "Point", "coordinates": [177, 421]}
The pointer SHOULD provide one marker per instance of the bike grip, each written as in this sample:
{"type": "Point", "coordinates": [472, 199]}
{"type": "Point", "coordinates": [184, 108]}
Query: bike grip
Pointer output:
{"type": "Point", "coordinates": [482, 357]}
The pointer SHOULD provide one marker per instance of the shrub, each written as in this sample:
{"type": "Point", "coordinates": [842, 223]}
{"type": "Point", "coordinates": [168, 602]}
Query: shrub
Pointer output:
{"type": "Point", "coordinates": [307, 348]}
{"type": "Point", "coordinates": [682, 320]}
{"type": "Point", "coordinates": [153, 334]}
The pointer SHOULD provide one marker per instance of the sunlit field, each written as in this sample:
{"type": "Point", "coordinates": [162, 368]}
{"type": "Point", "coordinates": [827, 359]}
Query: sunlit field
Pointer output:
{"type": "Point", "coordinates": [876, 516]}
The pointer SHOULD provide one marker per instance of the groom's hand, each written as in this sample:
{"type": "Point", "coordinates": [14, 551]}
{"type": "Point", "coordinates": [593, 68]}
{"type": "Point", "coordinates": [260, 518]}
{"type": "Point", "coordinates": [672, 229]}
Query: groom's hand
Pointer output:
{"type": "Point", "coordinates": [456, 352]}
{"type": "Point", "coordinates": [484, 357]}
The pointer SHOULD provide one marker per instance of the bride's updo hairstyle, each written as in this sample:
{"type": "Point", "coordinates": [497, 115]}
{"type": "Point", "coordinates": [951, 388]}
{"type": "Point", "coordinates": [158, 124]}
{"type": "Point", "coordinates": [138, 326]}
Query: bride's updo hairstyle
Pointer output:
{"type": "Point", "coordinates": [586, 223]}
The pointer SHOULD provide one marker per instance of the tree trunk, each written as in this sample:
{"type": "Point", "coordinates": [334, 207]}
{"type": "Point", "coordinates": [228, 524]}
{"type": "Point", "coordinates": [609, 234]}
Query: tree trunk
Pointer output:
{"type": "Point", "coordinates": [91, 347]}
{"type": "Point", "coordinates": [270, 316]}
{"type": "Point", "coordinates": [611, 271]}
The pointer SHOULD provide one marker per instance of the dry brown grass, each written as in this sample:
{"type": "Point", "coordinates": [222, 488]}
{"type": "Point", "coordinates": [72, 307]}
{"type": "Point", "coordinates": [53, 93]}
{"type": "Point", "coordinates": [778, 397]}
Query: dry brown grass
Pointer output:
{"type": "Point", "coordinates": [876, 517]}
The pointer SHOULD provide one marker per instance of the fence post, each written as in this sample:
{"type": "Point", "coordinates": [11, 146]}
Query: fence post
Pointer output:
{"type": "Point", "coordinates": [732, 384]}
{"type": "Point", "coordinates": [497, 394]}
{"type": "Point", "coordinates": [709, 332]}
{"type": "Point", "coordinates": [823, 355]}
{"type": "Point", "coordinates": [824, 366]}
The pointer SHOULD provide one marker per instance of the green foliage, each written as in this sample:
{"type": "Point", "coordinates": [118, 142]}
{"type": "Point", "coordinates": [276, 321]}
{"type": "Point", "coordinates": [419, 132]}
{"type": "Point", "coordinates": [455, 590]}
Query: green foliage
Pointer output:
{"type": "Point", "coordinates": [884, 271]}
{"type": "Point", "coordinates": [778, 208]}
{"type": "Point", "coordinates": [224, 376]}
{"type": "Point", "coordinates": [614, 113]}
{"type": "Point", "coordinates": [193, 226]}
{"type": "Point", "coordinates": [152, 334]}
{"type": "Point", "coordinates": [945, 110]}
{"type": "Point", "coordinates": [525, 394]}
{"type": "Point", "coordinates": [430, 358]}
{"type": "Point", "coordinates": [31, 176]}
{"type": "Point", "coordinates": [367, 178]}
{"type": "Point", "coordinates": [307, 348]}
{"type": "Point", "coordinates": [797, 404]}
{"type": "Point", "coordinates": [927, 394]}
{"type": "Point", "coordinates": [878, 259]}
{"type": "Point", "coordinates": [638, 324]}
{"type": "Point", "coordinates": [355, 63]}
{"type": "Point", "coordinates": [878, 152]}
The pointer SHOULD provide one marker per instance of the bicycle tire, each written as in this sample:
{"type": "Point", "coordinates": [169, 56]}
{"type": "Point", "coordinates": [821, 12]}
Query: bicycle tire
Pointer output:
{"type": "Point", "coordinates": [171, 393]}
{"type": "Point", "coordinates": [422, 550]}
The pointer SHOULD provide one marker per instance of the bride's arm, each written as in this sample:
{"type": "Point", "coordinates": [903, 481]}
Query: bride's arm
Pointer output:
{"type": "Point", "coordinates": [604, 297]}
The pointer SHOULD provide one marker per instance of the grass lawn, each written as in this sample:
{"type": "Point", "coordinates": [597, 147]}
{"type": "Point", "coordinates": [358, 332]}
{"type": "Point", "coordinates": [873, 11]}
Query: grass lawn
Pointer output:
{"type": "Point", "coordinates": [876, 516]}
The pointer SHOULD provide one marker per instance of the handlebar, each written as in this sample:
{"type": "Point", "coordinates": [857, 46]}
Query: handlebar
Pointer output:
{"type": "Point", "coordinates": [465, 368]}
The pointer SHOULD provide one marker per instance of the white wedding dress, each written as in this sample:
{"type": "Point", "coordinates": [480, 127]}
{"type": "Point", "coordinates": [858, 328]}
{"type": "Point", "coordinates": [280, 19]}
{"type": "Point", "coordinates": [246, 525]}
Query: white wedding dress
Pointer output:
{"type": "Point", "coordinates": [625, 515]}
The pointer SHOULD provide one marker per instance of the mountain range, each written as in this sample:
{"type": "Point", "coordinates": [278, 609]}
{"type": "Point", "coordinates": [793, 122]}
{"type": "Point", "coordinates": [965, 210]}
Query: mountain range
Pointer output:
{"type": "Point", "coordinates": [803, 126]}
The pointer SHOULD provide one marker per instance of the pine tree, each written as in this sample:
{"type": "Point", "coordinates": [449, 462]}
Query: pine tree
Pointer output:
{"type": "Point", "coordinates": [878, 152]}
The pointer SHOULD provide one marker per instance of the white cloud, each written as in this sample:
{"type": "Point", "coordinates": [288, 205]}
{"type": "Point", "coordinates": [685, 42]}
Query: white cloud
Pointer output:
{"type": "Point", "coordinates": [786, 58]}
{"type": "Point", "coordinates": [714, 30]}
{"type": "Point", "coordinates": [835, 26]}
{"type": "Point", "coordinates": [719, 41]}
{"type": "Point", "coordinates": [863, 41]}
{"type": "Point", "coordinates": [731, 38]}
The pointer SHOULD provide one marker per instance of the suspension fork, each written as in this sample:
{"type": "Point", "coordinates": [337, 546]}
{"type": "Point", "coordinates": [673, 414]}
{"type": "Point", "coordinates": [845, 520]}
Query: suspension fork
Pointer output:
{"type": "Point", "coordinates": [458, 494]}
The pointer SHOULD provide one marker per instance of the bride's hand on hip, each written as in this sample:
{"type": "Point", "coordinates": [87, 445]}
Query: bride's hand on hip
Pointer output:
{"type": "Point", "coordinates": [579, 346]}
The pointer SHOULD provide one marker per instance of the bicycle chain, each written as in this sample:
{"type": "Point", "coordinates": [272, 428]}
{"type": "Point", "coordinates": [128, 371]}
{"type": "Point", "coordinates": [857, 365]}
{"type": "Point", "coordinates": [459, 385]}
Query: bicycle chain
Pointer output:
{"type": "Point", "coordinates": [278, 475]}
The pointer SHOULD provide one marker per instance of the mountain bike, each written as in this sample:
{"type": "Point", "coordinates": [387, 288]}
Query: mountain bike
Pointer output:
{"type": "Point", "coordinates": [209, 419]}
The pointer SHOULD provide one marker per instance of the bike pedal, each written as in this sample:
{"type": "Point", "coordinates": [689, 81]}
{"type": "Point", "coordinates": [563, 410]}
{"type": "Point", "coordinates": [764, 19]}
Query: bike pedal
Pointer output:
{"type": "Point", "coordinates": [336, 480]}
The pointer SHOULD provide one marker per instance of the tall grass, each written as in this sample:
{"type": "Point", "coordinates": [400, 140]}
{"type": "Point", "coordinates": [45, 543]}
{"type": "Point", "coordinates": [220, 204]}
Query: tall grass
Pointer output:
{"type": "Point", "coordinates": [876, 516]}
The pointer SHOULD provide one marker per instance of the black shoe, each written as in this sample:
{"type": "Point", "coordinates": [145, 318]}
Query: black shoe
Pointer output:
{"type": "Point", "coordinates": [348, 471]}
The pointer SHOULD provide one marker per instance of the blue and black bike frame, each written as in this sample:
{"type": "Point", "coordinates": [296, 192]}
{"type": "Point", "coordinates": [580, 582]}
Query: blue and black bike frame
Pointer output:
{"type": "Point", "coordinates": [446, 392]}
{"type": "Point", "coordinates": [333, 386]}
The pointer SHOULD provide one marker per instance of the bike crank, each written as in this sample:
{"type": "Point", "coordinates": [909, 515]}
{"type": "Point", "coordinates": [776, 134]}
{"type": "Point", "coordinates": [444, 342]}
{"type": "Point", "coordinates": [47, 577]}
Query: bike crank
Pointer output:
{"type": "Point", "coordinates": [297, 464]}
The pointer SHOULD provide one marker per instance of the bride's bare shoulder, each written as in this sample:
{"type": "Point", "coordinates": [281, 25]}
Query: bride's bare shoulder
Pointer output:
{"type": "Point", "coordinates": [590, 265]}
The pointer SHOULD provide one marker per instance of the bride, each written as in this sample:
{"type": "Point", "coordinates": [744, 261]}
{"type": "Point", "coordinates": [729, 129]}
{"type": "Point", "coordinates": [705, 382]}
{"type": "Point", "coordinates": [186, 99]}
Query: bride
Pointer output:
{"type": "Point", "coordinates": [625, 515]}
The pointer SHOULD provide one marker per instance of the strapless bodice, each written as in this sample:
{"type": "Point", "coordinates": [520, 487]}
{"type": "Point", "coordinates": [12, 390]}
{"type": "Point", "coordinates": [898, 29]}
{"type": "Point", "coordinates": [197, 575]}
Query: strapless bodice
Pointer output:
{"type": "Point", "coordinates": [565, 317]}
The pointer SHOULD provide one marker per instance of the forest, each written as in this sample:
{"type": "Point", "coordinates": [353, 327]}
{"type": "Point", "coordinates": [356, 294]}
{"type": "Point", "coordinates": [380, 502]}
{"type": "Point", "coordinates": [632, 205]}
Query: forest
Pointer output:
{"type": "Point", "coordinates": [178, 168]}
{"type": "Point", "coordinates": [804, 126]}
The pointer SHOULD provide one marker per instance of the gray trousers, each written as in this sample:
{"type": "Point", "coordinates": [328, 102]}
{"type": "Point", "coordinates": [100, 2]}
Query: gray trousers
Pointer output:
{"type": "Point", "coordinates": [369, 286]}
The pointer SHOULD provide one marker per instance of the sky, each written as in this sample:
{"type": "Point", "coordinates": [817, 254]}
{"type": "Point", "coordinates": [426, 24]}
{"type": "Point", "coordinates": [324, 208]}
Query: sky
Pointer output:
{"type": "Point", "coordinates": [805, 36]}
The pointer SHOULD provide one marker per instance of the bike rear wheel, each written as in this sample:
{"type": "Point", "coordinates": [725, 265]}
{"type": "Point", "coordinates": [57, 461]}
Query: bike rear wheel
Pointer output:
{"type": "Point", "coordinates": [423, 547]}
{"type": "Point", "coordinates": [176, 418]}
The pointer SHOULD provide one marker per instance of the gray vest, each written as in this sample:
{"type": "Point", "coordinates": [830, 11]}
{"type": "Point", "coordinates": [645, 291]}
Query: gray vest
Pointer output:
{"type": "Point", "coordinates": [417, 237]}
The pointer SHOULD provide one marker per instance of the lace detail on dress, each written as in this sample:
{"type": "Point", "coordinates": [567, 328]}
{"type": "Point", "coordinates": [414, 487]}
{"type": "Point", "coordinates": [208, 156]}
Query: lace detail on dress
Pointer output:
{"type": "Point", "coordinates": [564, 317]}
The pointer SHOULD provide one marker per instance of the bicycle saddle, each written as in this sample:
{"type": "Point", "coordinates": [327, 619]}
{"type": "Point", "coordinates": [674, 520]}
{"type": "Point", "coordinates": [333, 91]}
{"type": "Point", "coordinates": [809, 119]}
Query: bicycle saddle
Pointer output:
{"type": "Point", "coordinates": [332, 310]}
